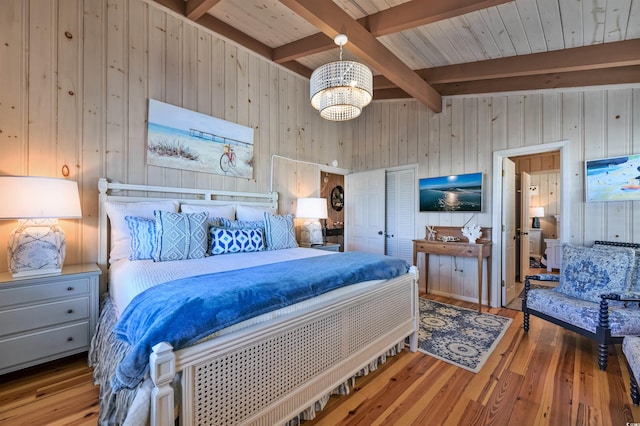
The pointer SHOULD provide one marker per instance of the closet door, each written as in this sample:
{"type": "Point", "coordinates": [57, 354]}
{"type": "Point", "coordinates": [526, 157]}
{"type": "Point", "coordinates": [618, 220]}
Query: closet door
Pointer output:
{"type": "Point", "coordinates": [400, 213]}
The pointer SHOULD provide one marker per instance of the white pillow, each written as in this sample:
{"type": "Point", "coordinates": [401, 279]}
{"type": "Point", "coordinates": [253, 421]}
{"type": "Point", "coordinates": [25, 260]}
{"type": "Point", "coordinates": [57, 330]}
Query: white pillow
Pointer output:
{"type": "Point", "coordinates": [253, 214]}
{"type": "Point", "coordinates": [225, 212]}
{"type": "Point", "coordinates": [120, 238]}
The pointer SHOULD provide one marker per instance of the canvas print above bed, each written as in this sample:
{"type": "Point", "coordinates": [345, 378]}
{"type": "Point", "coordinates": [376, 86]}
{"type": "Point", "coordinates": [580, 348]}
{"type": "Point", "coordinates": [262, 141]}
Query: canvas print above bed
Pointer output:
{"type": "Point", "coordinates": [182, 139]}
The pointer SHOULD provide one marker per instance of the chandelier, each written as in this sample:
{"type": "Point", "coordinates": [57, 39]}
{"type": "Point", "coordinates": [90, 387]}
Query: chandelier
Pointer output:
{"type": "Point", "coordinates": [339, 90]}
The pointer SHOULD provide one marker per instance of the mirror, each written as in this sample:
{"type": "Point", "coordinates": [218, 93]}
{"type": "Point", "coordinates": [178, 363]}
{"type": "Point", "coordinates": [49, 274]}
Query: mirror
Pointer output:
{"type": "Point", "coordinates": [337, 198]}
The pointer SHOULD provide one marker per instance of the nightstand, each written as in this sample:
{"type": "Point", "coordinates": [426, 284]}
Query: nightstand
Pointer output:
{"type": "Point", "coordinates": [43, 318]}
{"type": "Point", "coordinates": [328, 247]}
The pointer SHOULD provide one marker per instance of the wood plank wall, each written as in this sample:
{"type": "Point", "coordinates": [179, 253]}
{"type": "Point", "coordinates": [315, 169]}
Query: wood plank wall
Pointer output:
{"type": "Point", "coordinates": [461, 139]}
{"type": "Point", "coordinates": [75, 77]}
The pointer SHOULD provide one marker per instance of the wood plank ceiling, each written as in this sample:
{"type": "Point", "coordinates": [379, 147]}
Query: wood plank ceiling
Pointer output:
{"type": "Point", "coordinates": [426, 49]}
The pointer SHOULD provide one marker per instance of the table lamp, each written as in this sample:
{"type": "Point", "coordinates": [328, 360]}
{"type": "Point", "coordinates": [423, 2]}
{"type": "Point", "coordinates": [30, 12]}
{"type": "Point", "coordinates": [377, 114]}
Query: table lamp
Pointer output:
{"type": "Point", "coordinates": [37, 246]}
{"type": "Point", "coordinates": [536, 213]}
{"type": "Point", "coordinates": [311, 209]}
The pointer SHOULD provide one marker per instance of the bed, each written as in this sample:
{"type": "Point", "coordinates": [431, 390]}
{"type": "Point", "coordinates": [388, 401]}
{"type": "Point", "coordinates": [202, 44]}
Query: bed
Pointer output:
{"type": "Point", "coordinates": [275, 368]}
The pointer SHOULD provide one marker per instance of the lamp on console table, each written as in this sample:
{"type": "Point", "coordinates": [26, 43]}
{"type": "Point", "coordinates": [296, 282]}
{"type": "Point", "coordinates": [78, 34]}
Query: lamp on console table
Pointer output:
{"type": "Point", "coordinates": [311, 209]}
{"type": "Point", "coordinates": [37, 246]}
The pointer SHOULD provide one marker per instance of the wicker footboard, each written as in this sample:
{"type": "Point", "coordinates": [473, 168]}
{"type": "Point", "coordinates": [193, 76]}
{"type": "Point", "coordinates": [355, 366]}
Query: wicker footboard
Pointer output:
{"type": "Point", "coordinates": [267, 374]}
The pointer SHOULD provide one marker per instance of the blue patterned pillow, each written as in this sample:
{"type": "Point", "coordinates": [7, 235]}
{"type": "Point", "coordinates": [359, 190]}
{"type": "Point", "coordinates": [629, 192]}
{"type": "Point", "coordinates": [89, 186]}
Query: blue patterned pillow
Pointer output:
{"type": "Point", "coordinates": [588, 272]}
{"type": "Point", "coordinates": [279, 232]}
{"type": "Point", "coordinates": [143, 237]}
{"type": "Point", "coordinates": [225, 240]}
{"type": "Point", "coordinates": [180, 236]}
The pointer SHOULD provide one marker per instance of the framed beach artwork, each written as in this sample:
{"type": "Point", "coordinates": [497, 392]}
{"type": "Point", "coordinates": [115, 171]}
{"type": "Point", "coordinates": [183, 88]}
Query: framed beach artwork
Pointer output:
{"type": "Point", "coordinates": [456, 193]}
{"type": "Point", "coordinates": [182, 139]}
{"type": "Point", "coordinates": [613, 179]}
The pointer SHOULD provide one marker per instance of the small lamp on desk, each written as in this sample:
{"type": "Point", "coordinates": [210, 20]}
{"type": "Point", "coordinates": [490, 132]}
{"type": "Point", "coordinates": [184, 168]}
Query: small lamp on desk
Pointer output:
{"type": "Point", "coordinates": [536, 213]}
{"type": "Point", "coordinates": [37, 246]}
{"type": "Point", "coordinates": [311, 209]}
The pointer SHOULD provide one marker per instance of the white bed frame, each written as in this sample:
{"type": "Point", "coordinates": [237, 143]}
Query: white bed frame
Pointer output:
{"type": "Point", "coordinates": [268, 373]}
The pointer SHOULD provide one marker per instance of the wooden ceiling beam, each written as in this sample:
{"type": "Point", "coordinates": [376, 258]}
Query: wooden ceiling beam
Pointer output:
{"type": "Point", "coordinates": [607, 55]}
{"type": "Point", "coordinates": [196, 8]}
{"type": "Point", "coordinates": [618, 75]}
{"type": "Point", "coordinates": [330, 19]}
{"type": "Point", "coordinates": [407, 15]}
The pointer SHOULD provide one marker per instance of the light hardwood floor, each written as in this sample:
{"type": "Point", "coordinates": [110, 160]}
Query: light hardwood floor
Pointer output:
{"type": "Point", "coordinates": [546, 377]}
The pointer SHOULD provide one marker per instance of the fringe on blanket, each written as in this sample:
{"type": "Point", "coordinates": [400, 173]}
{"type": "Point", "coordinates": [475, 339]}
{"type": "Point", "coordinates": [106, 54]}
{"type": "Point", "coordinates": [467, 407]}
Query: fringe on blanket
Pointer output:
{"type": "Point", "coordinates": [344, 388]}
{"type": "Point", "coordinates": [105, 354]}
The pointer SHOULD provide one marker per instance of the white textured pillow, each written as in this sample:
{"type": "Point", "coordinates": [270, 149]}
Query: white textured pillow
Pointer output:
{"type": "Point", "coordinates": [120, 238]}
{"type": "Point", "coordinates": [252, 214]}
{"type": "Point", "coordinates": [279, 232]}
{"type": "Point", "coordinates": [225, 212]}
{"type": "Point", "coordinates": [180, 236]}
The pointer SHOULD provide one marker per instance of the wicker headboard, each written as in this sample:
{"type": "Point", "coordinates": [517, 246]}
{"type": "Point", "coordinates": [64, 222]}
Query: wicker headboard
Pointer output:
{"type": "Point", "coordinates": [122, 192]}
{"type": "Point", "coordinates": [617, 244]}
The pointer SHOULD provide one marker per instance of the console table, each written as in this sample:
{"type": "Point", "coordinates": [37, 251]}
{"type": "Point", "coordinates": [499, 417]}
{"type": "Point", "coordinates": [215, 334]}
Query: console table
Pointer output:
{"type": "Point", "coordinates": [462, 248]}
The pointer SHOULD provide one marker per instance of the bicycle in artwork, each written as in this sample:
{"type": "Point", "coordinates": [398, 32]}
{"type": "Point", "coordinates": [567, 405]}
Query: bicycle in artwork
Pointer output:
{"type": "Point", "coordinates": [228, 158]}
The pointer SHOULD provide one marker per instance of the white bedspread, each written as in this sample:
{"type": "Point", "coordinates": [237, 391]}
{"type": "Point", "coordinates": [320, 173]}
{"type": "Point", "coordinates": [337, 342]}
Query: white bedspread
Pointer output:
{"type": "Point", "coordinates": [129, 278]}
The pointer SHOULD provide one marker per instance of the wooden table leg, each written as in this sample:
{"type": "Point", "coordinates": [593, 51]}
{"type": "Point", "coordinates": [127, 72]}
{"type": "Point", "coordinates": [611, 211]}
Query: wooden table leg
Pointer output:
{"type": "Point", "coordinates": [480, 281]}
{"type": "Point", "coordinates": [489, 280]}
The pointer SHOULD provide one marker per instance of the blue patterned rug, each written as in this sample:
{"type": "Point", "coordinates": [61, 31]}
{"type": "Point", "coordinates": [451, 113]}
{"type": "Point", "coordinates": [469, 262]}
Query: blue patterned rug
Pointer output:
{"type": "Point", "coordinates": [459, 336]}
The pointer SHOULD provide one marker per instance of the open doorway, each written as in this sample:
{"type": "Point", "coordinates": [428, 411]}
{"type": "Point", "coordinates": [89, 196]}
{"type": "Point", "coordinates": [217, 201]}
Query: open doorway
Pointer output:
{"type": "Point", "coordinates": [536, 205]}
{"type": "Point", "coordinates": [538, 181]}
{"type": "Point", "coordinates": [332, 188]}
{"type": "Point", "coordinates": [499, 238]}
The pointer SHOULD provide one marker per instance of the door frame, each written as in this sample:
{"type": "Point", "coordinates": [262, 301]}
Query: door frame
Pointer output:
{"type": "Point", "coordinates": [496, 222]}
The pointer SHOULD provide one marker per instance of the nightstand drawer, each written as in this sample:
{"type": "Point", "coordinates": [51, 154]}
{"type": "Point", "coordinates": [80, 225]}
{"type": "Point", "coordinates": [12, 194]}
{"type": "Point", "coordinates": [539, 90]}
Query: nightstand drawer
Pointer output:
{"type": "Point", "coordinates": [43, 315]}
{"type": "Point", "coordinates": [34, 346]}
{"type": "Point", "coordinates": [35, 292]}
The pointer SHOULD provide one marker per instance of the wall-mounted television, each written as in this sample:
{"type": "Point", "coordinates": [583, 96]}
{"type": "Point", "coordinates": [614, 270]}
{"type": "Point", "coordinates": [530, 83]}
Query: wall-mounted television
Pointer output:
{"type": "Point", "coordinates": [613, 179]}
{"type": "Point", "coordinates": [455, 193]}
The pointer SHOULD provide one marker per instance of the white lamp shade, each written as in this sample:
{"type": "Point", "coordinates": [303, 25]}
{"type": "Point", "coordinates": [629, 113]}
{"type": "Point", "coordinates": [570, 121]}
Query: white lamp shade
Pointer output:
{"type": "Point", "coordinates": [536, 212]}
{"type": "Point", "coordinates": [312, 208]}
{"type": "Point", "coordinates": [29, 197]}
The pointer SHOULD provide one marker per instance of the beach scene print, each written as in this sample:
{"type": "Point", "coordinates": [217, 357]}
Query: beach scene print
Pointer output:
{"type": "Point", "coordinates": [457, 193]}
{"type": "Point", "coordinates": [613, 179]}
{"type": "Point", "coordinates": [182, 139]}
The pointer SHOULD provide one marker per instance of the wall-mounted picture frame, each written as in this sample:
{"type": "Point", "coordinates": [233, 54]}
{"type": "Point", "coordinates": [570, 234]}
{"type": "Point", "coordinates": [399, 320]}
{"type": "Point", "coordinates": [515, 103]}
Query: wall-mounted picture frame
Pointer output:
{"type": "Point", "coordinates": [455, 193]}
{"type": "Point", "coordinates": [179, 138]}
{"type": "Point", "coordinates": [612, 179]}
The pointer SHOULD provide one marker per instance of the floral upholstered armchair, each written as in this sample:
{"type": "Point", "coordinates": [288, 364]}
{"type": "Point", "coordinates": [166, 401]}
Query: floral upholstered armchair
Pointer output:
{"type": "Point", "coordinates": [597, 296]}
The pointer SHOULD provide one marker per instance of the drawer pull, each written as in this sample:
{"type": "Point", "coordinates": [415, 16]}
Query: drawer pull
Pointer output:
{"type": "Point", "coordinates": [69, 339]}
{"type": "Point", "coordinates": [69, 288]}
{"type": "Point", "coordinates": [70, 311]}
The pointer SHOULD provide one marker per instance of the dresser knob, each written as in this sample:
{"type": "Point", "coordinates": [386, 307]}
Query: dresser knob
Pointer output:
{"type": "Point", "coordinates": [70, 311]}
{"type": "Point", "coordinates": [69, 288]}
{"type": "Point", "coordinates": [69, 339]}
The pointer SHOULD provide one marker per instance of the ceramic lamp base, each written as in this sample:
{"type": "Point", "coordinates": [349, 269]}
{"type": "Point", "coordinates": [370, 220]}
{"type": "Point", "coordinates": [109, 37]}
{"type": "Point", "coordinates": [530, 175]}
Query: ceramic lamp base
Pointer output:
{"type": "Point", "coordinates": [36, 247]}
{"type": "Point", "coordinates": [535, 223]}
{"type": "Point", "coordinates": [311, 234]}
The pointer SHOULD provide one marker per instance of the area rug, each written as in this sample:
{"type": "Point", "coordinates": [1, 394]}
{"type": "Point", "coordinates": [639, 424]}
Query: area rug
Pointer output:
{"type": "Point", "coordinates": [459, 336]}
{"type": "Point", "coordinates": [534, 263]}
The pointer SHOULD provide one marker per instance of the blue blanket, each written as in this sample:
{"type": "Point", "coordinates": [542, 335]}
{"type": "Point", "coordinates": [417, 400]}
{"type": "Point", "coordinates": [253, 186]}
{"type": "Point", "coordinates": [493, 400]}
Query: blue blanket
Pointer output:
{"type": "Point", "coordinates": [184, 311]}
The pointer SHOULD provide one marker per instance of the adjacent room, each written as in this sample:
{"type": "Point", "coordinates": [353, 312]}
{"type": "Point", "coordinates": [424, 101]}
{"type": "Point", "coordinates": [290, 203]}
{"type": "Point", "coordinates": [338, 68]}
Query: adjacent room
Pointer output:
{"type": "Point", "coordinates": [319, 212]}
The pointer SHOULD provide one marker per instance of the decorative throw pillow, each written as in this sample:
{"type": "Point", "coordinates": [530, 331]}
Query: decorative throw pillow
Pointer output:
{"type": "Point", "coordinates": [117, 211]}
{"type": "Point", "coordinates": [225, 240]}
{"type": "Point", "coordinates": [251, 213]}
{"type": "Point", "coordinates": [142, 232]}
{"type": "Point", "coordinates": [239, 224]}
{"type": "Point", "coordinates": [588, 272]}
{"type": "Point", "coordinates": [215, 213]}
{"type": "Point", "coordinates": [279, 232]}
{"type": "Point", "coordinates": [180, 236]}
